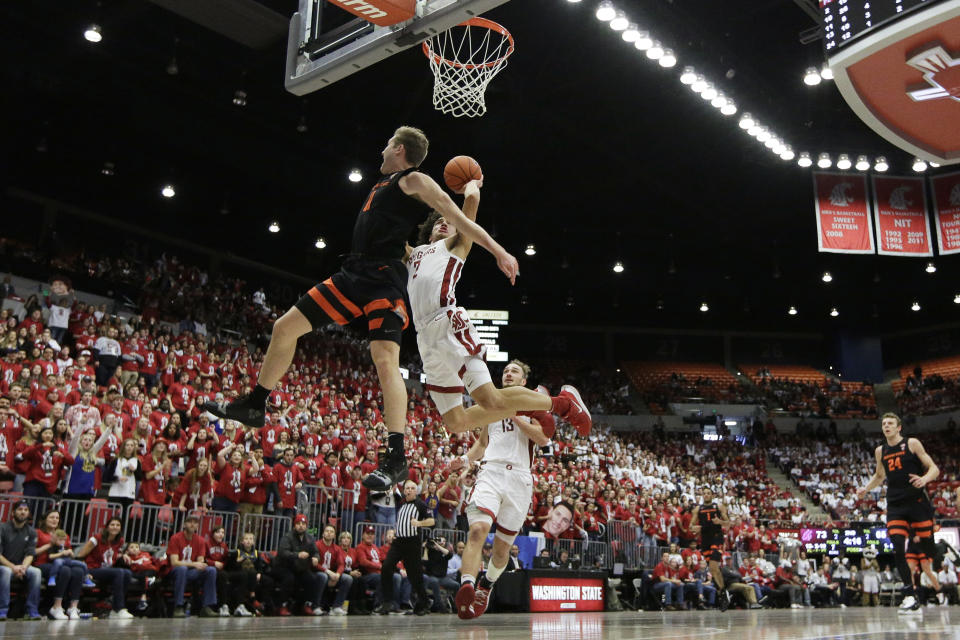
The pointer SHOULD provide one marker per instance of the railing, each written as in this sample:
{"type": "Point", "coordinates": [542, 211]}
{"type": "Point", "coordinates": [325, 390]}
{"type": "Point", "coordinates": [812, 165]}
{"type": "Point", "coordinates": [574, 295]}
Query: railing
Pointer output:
{"type": "Point", "coordinates": [38, 506]}
{"type": "Point", "coordinates": [585, 554]}
{"type": "Point", "coordinates": [268, 529]}
{"type": "Point", "coordinates": [325, 506]}
{"type": "Point", "coordinates": [453, 536]}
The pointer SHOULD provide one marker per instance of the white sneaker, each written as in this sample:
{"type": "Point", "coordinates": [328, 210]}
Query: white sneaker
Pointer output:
{"type": "Point", "coordinates": [909, 605]}
{"type": "Point", "coordinates": [797, 606]}
{"type": "Point", "coordinates": [843, 606]}
{"type": "Point", "coordinates": [242, 612]}
{"type": "Point", "coordinates": [57, 613]}
{"type": "Point", "coordinates": [73, 613]}
{"type": "Point", "coordinates": [123, 614]}
{"type": "Point", "coordinates": [224, 611]}
{"type": "Point", "coordinates": [318, 611]}
{"type": "Point", "coordinates": [338, 611]}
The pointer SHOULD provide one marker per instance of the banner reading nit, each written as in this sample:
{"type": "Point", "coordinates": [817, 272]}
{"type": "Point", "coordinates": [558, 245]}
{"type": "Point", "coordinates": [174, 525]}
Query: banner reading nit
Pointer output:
{"type": "Point", "coordinates": [946, 202]}
{"type": "Point", "coordinates": [900, 211]}
{"type": "Point", "coordinates": [843, 215]}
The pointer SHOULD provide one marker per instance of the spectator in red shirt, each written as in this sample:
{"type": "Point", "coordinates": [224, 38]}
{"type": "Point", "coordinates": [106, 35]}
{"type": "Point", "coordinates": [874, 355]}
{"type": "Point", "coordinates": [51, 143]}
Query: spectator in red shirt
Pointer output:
{"type": "Point", "coordinates": [101, 552]}
{"type": "Point", "coordinates": [186, 552]}
{"type": "Point", "coordinates": [332, 562]}
{"type": "Point", "coordinates": [182, 396]}
{"type": "Point", "coordinates": [667, 583]}
{"type": "Point", "coordinates": [289, 480]}
{"type": "Point", "coordinates": [232, 478]}
{"type": "Point", "coordinates": [449, 500]}
{"type": "Point", "coordinates": [368, 562]}
{"type": "Point", "coordinates": [45, 463]}
{"type": "Point", "coordinates": [144, 570]}
{"type": "Point", "coordinates": [156, 472]}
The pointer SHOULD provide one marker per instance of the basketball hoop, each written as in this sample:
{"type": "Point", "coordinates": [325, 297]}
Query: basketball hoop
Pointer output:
{"type": "Point", "coordinates": [464, 60]}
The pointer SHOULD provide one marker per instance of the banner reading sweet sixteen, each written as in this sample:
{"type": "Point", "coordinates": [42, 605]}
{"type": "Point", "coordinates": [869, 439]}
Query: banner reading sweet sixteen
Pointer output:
{"type": "Point", "coordinates": [900, 211]}
{"type": "Point", "coordinates": [946, 202]}
{"type": "Point", "coordinates": [843, 215]}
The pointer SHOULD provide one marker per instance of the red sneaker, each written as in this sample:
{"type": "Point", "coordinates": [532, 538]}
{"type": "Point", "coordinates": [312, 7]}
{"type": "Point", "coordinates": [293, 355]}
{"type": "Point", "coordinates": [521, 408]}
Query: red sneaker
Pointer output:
{"type": "Point", "coordinates": [480, 599]}
{"type": "Point", "coordinates": [546, 420]}
{"type": "Point", "coordinates": [307, 610]}
{"type": "Point", "coordinates": [464, 602]}
{"type": "Point", "coordinates": [283, 611]}
{"type": "Point", "coordinates": [577, 414]}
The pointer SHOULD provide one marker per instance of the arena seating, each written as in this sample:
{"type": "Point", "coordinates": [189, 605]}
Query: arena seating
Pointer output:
{"type": "Point", "coordinates": [930, 386]}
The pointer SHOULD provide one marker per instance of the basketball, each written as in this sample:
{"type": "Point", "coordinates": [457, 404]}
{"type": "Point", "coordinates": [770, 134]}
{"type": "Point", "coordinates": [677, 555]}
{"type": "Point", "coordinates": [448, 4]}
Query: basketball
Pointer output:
{"type": "Point", "coordinates": [459, 171]}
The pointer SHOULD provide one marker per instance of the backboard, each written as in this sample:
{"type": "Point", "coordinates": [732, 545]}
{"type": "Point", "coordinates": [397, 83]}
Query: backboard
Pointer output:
{"type": "Point", "coordinates": [317, 59]}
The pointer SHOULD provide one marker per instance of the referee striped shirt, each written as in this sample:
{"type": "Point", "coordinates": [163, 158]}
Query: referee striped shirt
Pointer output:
{"type": "Point", "coordinates": [416, 510]}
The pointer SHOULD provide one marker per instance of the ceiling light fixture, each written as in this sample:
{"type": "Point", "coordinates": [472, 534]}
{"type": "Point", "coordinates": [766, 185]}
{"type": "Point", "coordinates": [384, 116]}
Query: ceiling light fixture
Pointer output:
{"type": "Point", "coordinates": [240, 98]}
{"type": "Point", "coordinates": [632, 33]}
{"type": "Point", "coordinates": [931, 267]}
{"type": "Point", "coordinates": [606, 12]}
{"type": "Point", "coordinates": [792, 311]}
{"type": "Point", "coordinates": [881, 164]}
{"type": "Point", "coordinates": [843, 162]}
{"type": "Point", "coordinates": [689, 75]}
{"type": "Point", "coordinates": [530, 250]}
{"type": "Point", "coordinates": [93, 34]}
{"type": "Point", "coordinates": [863, 163]}
{"type": "Point", "coordinates": [728, 109]}
{"type": "Point", "coordinates": [811, 77]}
{"type": "Point", "coordinates": [619, 22]}
{"type": "Point", "coordinates": [168, 191]}
{"type": "Point", "coordinates": [915, 306]}
{"type": "Point", "coordinates": [834, 313]}
{"type": "Point", "coordinates": [699, 84]}
{"type": "Point", "coordinates": [703, 307]}
{"type": "Point", "coordinates": [823, 161]}
{"type": "Point", "coordinates": [320, 243]}
{"type": "Point", "coordinates": [668, 60]}
{"type": "Point", "coordinates": [107, 169]}
{"type": "Point", "coordinates": [618, 267]}
{"type": "Point", "coordinates": [355, 176]}
{"type": "Point", "coordinates": [804, 160]}
{"type": "Point", "coordinates": [787, 153]}
{"type": "Point", "coordinates": [919, 165]}
{"type": "Point", "coordinates": [826, 277]}
{"type": "Point", "coordinates": [746, 121]}
{"type": "Point", "coordinates": [274, 227]}
{"type": "Point", "coordinates": [826, 72]}
{"type": "Point", "coordinates": [656, 51]}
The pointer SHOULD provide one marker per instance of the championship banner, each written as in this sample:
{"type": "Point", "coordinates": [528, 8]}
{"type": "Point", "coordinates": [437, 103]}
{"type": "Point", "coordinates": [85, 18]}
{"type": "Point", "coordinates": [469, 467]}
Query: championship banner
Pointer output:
{"type": "Point", "coordinates": [946, 203]}
{"type": "Point", "coordinates": [843, 215]}
{"type": "Point", "coordinates": [900, 212]}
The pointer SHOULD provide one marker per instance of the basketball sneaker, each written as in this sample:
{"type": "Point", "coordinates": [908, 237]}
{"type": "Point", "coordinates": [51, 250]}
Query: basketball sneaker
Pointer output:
{"type": "Point", "coordinates": [723, 600]}
{"type": "Point", "coordinates": [389, 473]}
{"type": "Point", "coordinates": [576, 413]}
{"type": "Point", "coordinates": [480, 599]}
{"type": "Point", "coordinates": [242, 410]}
{"type": "Point", "coordinates": [464, 601]}
{"type": "Point", "coordinates": [909, 605]}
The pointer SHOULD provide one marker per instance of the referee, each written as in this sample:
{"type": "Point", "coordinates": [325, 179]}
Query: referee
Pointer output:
{"type": "Point", "coordinates": [411, 516]}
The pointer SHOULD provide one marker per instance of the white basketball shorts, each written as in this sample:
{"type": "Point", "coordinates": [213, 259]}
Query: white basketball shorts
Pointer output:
{"type": "Point", "coordinates": [453, 358]}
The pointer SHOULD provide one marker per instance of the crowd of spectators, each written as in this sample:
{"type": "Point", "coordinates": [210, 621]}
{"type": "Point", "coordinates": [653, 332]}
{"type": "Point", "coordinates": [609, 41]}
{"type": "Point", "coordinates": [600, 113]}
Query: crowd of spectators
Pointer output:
{"type": "Point", "coordinates": [921, 394]}
{"type": "Point", "coordinates": [110, 408]}
{"type": "Point", "coordinates": [826, 398]}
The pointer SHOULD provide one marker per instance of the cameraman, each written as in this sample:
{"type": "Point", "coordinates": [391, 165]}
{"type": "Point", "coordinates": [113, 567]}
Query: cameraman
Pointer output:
{"type": "Point", "coordinates": [436, 558]}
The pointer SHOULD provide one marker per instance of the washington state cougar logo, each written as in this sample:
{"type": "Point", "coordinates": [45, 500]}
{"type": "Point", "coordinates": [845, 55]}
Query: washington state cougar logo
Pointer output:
{"type": "Point", "coordinates": [898, 198]}
{"type": "Point", "coordinates": [941, 72]}
{"type": "Point", "coordinates": [955, 195]}
{"type": "Point", "coordinates": [839, 196]}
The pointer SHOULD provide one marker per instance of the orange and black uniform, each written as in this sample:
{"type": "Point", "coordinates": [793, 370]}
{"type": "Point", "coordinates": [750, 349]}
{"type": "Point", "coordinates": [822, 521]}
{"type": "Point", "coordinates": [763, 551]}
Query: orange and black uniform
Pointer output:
{"type": "Point", "coordinates": [711, 534]}
{"type": "Point", "coordinates": [372, 283]}
{"type": "Point", "coordinates": [909, 512]}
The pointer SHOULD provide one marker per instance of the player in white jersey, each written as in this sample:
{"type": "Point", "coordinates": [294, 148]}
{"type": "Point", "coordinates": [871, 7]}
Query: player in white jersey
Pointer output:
{"type": "Point", "coordinates": [502, 494]}
{"type": "Point", "coordinates": [453, 356]}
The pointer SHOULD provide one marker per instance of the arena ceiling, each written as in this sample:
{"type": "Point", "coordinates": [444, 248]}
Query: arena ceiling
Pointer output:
{"type": "Point", "coordinates": [590, 151]}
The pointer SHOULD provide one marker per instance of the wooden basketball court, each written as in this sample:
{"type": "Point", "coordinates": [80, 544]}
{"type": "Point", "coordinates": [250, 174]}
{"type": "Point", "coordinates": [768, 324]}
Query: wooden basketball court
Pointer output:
{"type": "Point", "coordinates": [940, 623]}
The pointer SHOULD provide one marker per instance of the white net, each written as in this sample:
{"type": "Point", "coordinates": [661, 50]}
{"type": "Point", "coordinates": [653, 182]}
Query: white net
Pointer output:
{"type": "Point", "coordinates": [464, 60]}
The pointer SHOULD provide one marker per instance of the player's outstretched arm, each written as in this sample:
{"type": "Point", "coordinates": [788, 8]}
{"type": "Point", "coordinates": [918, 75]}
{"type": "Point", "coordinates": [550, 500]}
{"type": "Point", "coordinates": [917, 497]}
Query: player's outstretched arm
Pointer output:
{"type": "Point", "coordinates": [876, 479]}
{"type": "Point", "coordinates": [532, 430]}
{"type": "Point", "coordinates": [427, 190]}
{"type": "Point", "coordinates": [458, 243]}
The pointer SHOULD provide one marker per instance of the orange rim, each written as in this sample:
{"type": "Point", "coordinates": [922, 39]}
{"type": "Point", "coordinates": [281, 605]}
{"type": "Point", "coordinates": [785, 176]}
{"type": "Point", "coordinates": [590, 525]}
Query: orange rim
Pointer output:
{"type": "Point", "coordinates": [475, 22]}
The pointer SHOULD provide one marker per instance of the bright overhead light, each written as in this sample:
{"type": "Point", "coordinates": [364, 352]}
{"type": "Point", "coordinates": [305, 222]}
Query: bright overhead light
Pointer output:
{"type": "Point", "coordinates": [606, 12]}
{"type": "Point", "coordinates": [934, 165]}
{"type": "Point", "coordinates": [826, 72]}
{"type": "Point", "coordinates": [703, 307]}
{"type": "Point", "coordinates": [93, 33]}
{"type": "Point", "coordinates": [728, 109]}
{"type": "Point", "coordinates": [530, 250]}
{"type": "Point", "coordinates": [763, 135]}
{"type": "Point", "coordinates": [108, 169]}
{"type": "Point", "coordinates": [746, 120]}
{"type": "Point", "coordinates": [770, 143]}
{"type": "Point", "coordinates": [619, 22]}
{"type": "Point", "coordinates": [689, 75]}
{"type": "Point", "coordinates": [843, 162]}
{"type": "Point", "coordinates": [787, 153]}
{"type": "Point", "coordinates": [355, 176]}
{"type": "Point", "coordinates": [656, 51]}
{"type": "Point", "coordinates": [931, 267]}
{"type": "Point", "coordinates": [709, 93]}
{"type": "Point", "coordinates": [811, 77]}
{"type": "Point", "coordinates": [919, 165]}
{"type": "Point", "coordinates": [792, 311]}
{"type": "Point", "coordinates": [915, 306]}
{"type": "Point", "coordinates": [699, 84]}
{"type": "Point", "coordinates": [956, 299]}
{"type": "Point", "coordinates": [618, 267]}
{"type": "Point", "coordinates": [644, 42]}
{"type": "Point", "coordinates": [804, 159]}
{"type": "Point", "coordinates": [632, 33]}
{"type": "Point", "coordinates": [719, 101]}
{"type": "Point", "coordinates": [778, 146]}
{"type": "Point", "coordinates": [826, 277]}
{"type": "Point", "coordinates": [755, 130]}
{"type": "Point", "coordinates": [573, 1]}
{"type": "Point", "coordinates": [240, 98]}
{"type": "Point", "coordinates": [824, 161]}
{"type": "Point", "coordinates": [274, 227]}
{"type": "Point", "coordinates": [881, 164]}
{"type": "Point", "coordinates": [834, 313]}
{"type": "Point", "coordinates": [862, 163]}
{"type": "Point", "coordinates": [320, 243]}
{"type": "Point", "coordinates": [669, 59]}
{"type": "Point", "coordinates": [168, 191]}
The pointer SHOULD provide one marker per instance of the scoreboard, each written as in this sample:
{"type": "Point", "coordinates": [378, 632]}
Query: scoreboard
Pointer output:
{"type": "Point", "coordinates": [844, 21]}
{"type": "Point", "coordinates": [488, 324]}
{"type": "Point", "coordinates": [833, 542]}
